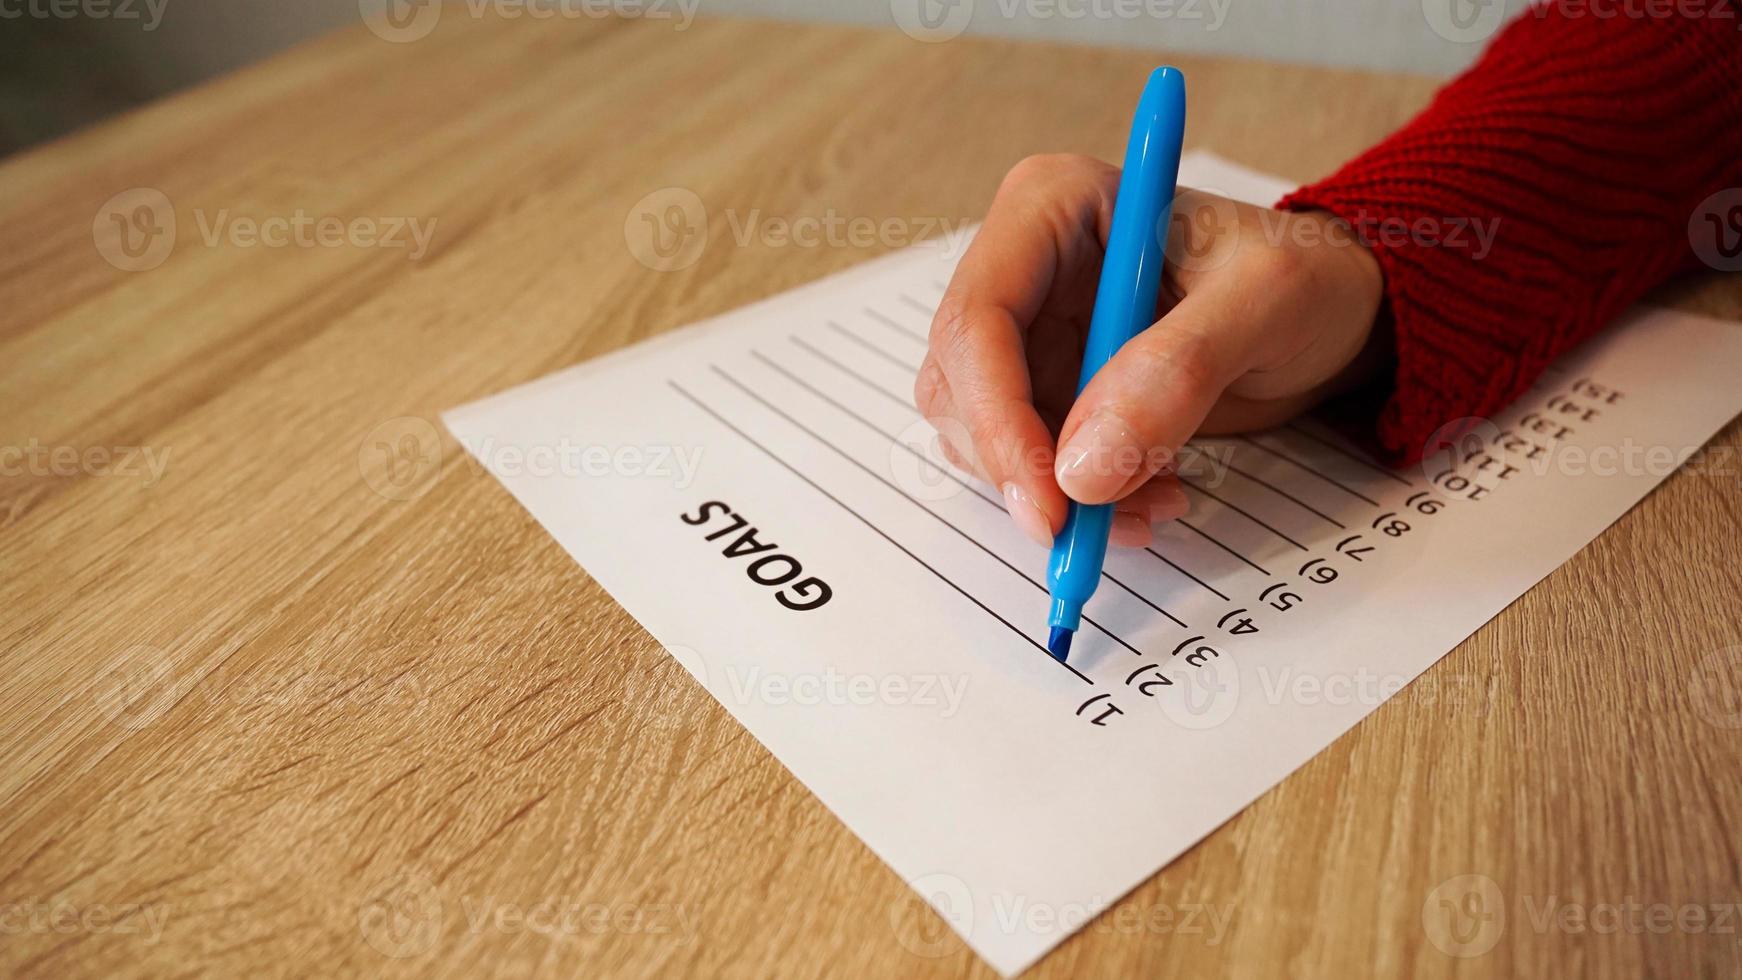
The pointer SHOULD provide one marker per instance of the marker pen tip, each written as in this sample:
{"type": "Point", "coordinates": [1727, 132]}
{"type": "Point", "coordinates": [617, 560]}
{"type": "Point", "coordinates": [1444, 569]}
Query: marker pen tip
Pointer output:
{"type": "Point", "coordinates": [1060, 643]}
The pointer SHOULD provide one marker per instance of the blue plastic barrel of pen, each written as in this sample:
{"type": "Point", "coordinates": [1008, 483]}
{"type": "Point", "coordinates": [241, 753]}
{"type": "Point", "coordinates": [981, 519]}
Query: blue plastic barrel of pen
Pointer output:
{"type": "Point", "coordinates": [1124, 306]}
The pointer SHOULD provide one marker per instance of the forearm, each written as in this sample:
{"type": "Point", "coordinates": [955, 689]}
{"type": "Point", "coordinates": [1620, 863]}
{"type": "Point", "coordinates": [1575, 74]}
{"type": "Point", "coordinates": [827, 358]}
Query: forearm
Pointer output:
{"type": "Point", "coordinates": [1542, 193]}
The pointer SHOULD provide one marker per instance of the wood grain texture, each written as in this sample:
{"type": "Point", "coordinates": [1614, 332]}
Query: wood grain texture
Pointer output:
{"type": "Point", "coordinates": [283, 724]}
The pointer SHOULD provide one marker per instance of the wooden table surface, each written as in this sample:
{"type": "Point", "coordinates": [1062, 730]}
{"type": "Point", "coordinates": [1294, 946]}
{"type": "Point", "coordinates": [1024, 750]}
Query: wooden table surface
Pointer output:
{"type": "Point", "coordinates": [290, 686]}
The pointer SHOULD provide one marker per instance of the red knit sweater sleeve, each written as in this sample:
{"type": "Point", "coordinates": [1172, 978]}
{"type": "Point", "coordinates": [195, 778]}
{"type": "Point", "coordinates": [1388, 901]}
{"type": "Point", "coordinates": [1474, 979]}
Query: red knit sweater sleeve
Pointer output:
{"type": "Point", "coordinates": [1539, 195]}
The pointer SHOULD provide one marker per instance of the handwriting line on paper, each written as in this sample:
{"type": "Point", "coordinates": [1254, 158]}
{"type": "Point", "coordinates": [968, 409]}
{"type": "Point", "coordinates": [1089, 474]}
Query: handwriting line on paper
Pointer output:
{"type": "Point", "coordinates": [1340, 485]}
{"type": "Point", "coordinates": [899, 328]}
{"type": "Point", "coordinates": [1273, 488]}
{"type": "Point", "coordinates": [873, 348]}
{"type": "Point", "coordinates": [849, 372]}
{"type": "Point", "coordinates": [1243, 512]}
{"type": "Point", "coordinates": [1344, 451]}
{"type": "Point", "coordinates": [939, 469]}
{"type": "Point", "coordinates": [1207, 536]}
{"type": "Point", "coordinates": [1218, 592]}
{"type": "Point", "coordinates": [908, 407]}
{"type": "Point", "coordinates": [1347, 453]}
{"type": "Point", "coordinates": [868, 471]}
{"type": "Point", "coordinates": [926, 311]}
{"type": "Point", "coordinates": [873, 527]}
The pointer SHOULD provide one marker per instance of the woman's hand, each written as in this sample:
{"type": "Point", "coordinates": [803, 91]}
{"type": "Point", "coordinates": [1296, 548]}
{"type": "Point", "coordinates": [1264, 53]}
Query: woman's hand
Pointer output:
{"type": "Point", "coordinates": [1266, 314]}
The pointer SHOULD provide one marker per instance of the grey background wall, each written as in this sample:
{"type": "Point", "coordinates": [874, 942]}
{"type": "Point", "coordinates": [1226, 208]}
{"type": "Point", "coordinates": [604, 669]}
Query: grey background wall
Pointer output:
{"type": "Point", "coordinates": [59, 71]}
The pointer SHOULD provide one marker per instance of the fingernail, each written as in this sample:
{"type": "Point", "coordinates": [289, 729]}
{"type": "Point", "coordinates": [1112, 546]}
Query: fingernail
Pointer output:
{"type": "Point", "coordinates": [1170, 503]}
{"type": "Point", "coordinates": [1130, 531]}
{"type": "Point", "coordinates": [1099, 460]}
{"type": "Point", "coordinates": [1026, 513]}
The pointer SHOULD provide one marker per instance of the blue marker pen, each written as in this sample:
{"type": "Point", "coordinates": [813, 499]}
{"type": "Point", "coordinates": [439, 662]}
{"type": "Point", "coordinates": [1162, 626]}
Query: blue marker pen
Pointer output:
{"type": "Point", "coordinates": [1124, 305]}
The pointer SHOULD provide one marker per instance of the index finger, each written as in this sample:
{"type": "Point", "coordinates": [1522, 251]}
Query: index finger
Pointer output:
{"type": "Point", "coordinates": [976, 369]}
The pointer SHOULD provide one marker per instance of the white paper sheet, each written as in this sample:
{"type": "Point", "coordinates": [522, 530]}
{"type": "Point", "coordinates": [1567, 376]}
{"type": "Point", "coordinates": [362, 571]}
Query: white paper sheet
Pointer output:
{"type": "Point", "coordinates": [1019, 795]}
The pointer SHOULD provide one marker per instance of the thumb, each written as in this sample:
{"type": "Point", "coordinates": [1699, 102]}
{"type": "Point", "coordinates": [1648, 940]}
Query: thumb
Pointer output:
{"type": "Point", "coordinates": [1131, 420]}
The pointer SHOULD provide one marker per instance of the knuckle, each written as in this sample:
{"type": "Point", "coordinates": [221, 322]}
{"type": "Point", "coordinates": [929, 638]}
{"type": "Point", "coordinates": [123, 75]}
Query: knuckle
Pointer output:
{"type": "Point", "coordinates": [1279, 263]}
{"type": "Point", "coordinates": [951, 328]}
{"type": "Point", "coordinates": [1042, 169]}
{"type": "Point", "coordinates": [1034, 169]}
{"type": "Point", "coordinates": [994, 435]}
{"type": "Point", "coordinates": [928, 388]}
{"type": "Point", "coordinates": [1188, 365]}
